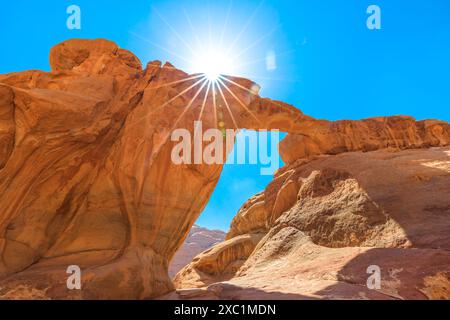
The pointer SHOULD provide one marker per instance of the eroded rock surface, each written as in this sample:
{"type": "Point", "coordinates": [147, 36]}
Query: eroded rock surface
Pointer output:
{"type": "Point", "coordinates": [328, 219]}
{"type": "Point", "coordinates": [86, 176]}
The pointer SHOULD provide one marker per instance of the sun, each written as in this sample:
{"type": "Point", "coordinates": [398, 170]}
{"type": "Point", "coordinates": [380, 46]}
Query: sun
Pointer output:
{"type": "Point", "coordinates": [213, 64]}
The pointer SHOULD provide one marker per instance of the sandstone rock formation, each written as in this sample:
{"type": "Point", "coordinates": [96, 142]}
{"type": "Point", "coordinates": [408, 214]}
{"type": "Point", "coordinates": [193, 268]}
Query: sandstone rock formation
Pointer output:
{"type": "Point", "coordinates": [221, 262]}
{"type": "Point", "coordinates": [86, 176]}
{"type": "Point", "coordinates": [198, 240]}
{"type": "Point", "coordinates": [326, 220]}
{"type": "Point", "coordinates": [326, 137]}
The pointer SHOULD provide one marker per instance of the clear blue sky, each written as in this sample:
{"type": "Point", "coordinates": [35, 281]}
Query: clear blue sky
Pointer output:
{"type": "Point", "coordinates": [328, 63]}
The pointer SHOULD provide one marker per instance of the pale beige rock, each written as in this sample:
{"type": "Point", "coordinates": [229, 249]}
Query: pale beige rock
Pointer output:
{"type": "Point", "coordinates": [251, 217]}
{"type": "Point", "coordinates": [219, 263]}
{"type": "Point", "coordinates": [352, 210]}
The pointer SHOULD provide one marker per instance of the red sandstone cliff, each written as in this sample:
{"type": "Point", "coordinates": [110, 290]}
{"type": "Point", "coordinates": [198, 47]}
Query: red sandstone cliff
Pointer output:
{"type": "Point", "coordinates": [86, 178]}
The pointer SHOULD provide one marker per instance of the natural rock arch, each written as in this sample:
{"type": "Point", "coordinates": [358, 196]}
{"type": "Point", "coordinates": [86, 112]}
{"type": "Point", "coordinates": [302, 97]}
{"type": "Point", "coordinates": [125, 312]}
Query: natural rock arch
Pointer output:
{"type": "Point", "coordinates": [86, 176]}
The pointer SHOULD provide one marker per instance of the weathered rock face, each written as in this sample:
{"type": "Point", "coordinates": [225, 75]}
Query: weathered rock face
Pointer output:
{"type": "Point", "coordinates": [329, 218]}
{"type": "Point", "coordinates": [327, 137]}
{"type": "Point", "coordinates": [198, 240]}
{"type": "Point", "coordinates": [219, 263]}
{"type": "Point", "coordinates": [86, 176]}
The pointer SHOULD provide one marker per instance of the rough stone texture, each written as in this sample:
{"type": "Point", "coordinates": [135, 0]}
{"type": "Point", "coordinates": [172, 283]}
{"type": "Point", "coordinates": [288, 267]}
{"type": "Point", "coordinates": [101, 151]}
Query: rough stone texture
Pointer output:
{"type": "Point", "coordinates": [86, 176]}
{"type": "Point", "coordinates": [337, 216]}
{"type": "Point", "coordinates": [219, 263]}
{"type": "Point", "coordinates": [251, 217]}
{"type": "Point", "coordinates": [198, 240]}
{"type": "Point", "coordinates": [327, 137]}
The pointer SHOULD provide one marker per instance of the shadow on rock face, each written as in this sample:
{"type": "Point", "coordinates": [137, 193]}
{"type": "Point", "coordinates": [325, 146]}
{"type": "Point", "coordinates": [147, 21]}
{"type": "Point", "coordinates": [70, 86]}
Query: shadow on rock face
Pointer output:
{"type": "Point", "coordinates": [228, 291]}
{"type": "Point", "coordinates": [404, 274]}
{"type": "Point", "coordinates": [327, 220]}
